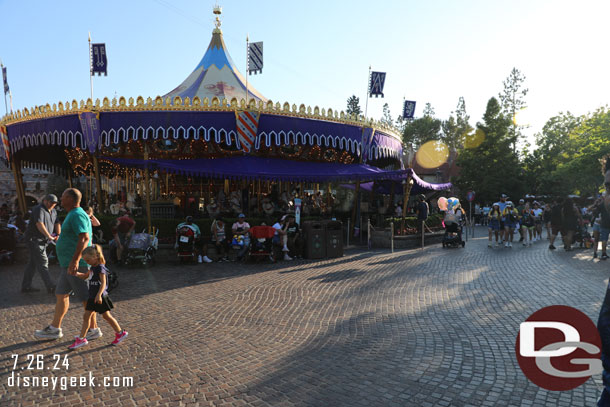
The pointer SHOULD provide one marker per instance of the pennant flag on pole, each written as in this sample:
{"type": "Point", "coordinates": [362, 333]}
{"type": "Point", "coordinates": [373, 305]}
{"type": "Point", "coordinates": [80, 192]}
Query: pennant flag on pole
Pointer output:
{"type": "Point", "coordinates": [408, 110]}
{"type": "Point", "coordinates": [367, 140]}
{"type": "Point", "coordinates": [5, 144]}
{"type": "Point", "coordinates": [99, 63]}
{"type": "Point", "coordinates": [90, 125]}
{"type": "Point", "coordinates": [5, 80]}
{"type": "Point", "coordinates": [376, 84]}
{"type": "Point", "coordinates": [247, 127]}
{"type": "Point", "coordinates": [255, 57]}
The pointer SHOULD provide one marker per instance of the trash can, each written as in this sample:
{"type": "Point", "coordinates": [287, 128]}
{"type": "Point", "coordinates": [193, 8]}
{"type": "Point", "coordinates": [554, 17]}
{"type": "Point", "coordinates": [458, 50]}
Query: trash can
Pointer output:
{"type": "Point", "coordinates": [315, 240]}
{"type": "Point", "coordinates": [334, 239]}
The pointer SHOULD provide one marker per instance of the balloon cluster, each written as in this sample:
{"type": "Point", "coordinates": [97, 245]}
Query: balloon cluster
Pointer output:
{"type": "Point", "coordinates": [450, 204]}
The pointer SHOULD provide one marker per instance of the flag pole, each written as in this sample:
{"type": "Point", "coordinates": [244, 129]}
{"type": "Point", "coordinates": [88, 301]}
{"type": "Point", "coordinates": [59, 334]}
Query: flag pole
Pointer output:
{"type": "Point", "coordinates": [368, 87]}
{"type": "Point", "coordinates": [247, 63]}
{"type": "Point", "coordinates": [3, 90]}
{"type": "Point", "coordinates": [356, 208]}
{"type": "Point", "coordinates": [90, 67]}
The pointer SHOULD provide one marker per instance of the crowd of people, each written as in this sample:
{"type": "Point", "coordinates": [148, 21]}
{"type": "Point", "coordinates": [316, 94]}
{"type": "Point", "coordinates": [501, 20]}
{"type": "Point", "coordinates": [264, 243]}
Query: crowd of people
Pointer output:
{"type": "Point", "coordinates": [287, 237]}
{"type": "Point", "coordinates": [560, 217]}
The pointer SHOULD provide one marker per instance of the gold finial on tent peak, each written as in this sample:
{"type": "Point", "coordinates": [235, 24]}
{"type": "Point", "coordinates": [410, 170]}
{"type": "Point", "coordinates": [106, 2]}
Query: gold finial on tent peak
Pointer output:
{"type": "Point", "coordinates": [218, 12]}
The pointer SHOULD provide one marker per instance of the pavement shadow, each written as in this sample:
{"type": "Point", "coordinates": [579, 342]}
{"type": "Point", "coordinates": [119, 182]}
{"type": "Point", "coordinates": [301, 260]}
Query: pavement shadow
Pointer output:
{"type": "Point", "coordinates": [337, 276]}
{"type": "Point", "coordinates": [137, 282]}
{"type": "Point", "coordinates": [454, 349]}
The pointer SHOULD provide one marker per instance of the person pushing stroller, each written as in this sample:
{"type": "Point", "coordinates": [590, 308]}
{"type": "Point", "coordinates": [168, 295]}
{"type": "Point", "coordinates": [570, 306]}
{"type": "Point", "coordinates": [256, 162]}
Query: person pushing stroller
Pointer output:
{"type": "Point", "coordinates": [454, 220]}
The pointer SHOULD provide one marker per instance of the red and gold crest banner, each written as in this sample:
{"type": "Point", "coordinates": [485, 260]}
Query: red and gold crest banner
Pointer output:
{"type": "Point", "coordinates": [247, 126]}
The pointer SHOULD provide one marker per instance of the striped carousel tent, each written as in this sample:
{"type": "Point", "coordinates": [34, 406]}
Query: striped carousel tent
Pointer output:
{"type": "Point", "coordinates": [216, 76]}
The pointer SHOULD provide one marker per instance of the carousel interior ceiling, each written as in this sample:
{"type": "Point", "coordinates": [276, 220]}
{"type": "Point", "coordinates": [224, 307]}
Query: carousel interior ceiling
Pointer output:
{"type": "Point", "coordinates": [250, 167]}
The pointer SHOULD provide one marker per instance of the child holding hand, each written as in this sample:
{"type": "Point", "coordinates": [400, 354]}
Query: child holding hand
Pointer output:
{"type": "Point", "coordinates": [98, 297]}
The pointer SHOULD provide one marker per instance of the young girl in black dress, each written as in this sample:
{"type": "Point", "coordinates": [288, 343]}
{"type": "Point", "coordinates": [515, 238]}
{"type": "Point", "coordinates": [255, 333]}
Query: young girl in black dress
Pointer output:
{"type": "Point", "coordinates": [98, 296]}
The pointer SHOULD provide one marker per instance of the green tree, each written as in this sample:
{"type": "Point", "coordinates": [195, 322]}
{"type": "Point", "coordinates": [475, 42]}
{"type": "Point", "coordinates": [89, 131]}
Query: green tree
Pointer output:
{"type": "Point", "coordinates": [491, 168]}
{"type": "Point", "coordinates": [428, 110]}
{"type": "Point", "coordinates": [554, 146]}
{"type": "Point", "coordinates": [512, 99]}
{"type": "Point", "coordinates": [456, 128]}
{"type": "Point", "coordinates": [387, 116]}
{"type": "Point", "coordinates": [353, 105]}
{"type": "Point", "coordinates": [423, 129]}
{"type": "Point", "coordinates": [578, 168]}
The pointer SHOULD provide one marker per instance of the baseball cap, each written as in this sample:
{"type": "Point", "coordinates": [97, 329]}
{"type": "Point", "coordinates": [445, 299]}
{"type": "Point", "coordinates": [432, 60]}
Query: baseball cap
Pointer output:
{"type": "Point", "coordinates": [189, 218]}
{"type": "Point", "coordinates": [521, 200]}
{"type": "Point", "coordinates": [51, 198]}
{"type": "Point", "coordinates": [503, 196]}
{"type": "Point", "coordinates": [241, 215]}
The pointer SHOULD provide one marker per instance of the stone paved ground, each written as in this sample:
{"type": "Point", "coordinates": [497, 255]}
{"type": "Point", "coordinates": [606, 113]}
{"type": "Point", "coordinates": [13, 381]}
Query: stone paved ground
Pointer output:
{"type": "Point", "coordinates": [414, 328]}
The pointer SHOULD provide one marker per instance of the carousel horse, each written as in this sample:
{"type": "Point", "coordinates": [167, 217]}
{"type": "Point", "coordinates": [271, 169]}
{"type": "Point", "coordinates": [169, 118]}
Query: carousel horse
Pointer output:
{"type": "Point", "coordinates": [131, 199]}
{"type": "Point", "coordinates": [236, 206]}
{"type": "Point", "coordinates": [285, 200]}
{"type": "Point", "coordinates": [213, 209]}
{"type": "Point", "coordinates": [268, 207]}
{"type": "Point", "coordinates": [115, 208]}
{"type": "Point", "coordinates": [235, 202]}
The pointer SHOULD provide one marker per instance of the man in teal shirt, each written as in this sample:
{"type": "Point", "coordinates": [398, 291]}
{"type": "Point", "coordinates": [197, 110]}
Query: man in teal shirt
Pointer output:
{"type": "Point", "coordinates": [75, 235]}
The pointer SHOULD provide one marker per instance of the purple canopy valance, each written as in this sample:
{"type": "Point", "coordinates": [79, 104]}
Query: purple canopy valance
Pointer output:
{"type": "Point", "coordinates": [419, 186]}
{"type": "Point", "coordinates": [212, 126]}
{"type": "Point", "coordinates": [427, 186]}
{"type": "Point", "coordinates": [271, 169]}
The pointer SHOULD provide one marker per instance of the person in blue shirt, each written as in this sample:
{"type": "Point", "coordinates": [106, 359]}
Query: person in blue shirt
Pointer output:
{"type": "Point", "coordinates": [75, 235]}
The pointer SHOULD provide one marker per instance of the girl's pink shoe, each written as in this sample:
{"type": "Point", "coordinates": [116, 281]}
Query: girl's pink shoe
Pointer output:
{"type": "Point", "coordinates": [78, 342]}
{"type": "Point", "coordinates": [119, 337]}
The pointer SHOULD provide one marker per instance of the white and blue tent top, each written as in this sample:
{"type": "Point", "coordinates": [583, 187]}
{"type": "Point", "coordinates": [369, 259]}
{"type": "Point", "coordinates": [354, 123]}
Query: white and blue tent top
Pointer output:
{"type": "Point", "coordinates": [216, 75]}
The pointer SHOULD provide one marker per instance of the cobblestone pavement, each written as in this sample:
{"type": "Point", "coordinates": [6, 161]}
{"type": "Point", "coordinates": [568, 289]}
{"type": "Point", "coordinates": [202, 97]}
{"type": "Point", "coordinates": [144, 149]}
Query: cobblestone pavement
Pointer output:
{"type": "Point", "coordinates": [415, 328]}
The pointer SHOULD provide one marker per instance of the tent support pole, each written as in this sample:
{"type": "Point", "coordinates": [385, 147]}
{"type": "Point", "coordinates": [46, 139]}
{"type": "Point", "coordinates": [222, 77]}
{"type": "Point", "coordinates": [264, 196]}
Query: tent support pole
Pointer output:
{"type": "Point", "coordinates": [147, 190]}
{"type": "Point", "coordinates": [258, 201]}
{"type": "Point", "coordinates": [405, 200]}
{"type": "Point", "coordinates": [356, 208]}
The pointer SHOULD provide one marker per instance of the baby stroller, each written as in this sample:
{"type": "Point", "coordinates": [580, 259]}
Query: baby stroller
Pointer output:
{"type": "Point", "coordinates": [185, 239]}
{"type": "Point", "coordinates": [142, 248]}
{"type": "Point", "coordinates": [261, 243]}
{"type": "Point", "coordinates": [451, 238]}
{"type": "Point", "coordinates": [113, 280]}
{"type": "Point", "coordinates": [453, 230]}
{"type": "Point", "coordinates": [583, 237]}
{"type": "Point", "coordinates": [7, 245]}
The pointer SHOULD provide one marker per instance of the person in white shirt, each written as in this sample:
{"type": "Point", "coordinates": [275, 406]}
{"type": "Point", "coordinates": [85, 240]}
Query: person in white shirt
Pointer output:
{"type": "Point", "coordinates": [281, 235]}
{"type": "Point", "coordinates": [537, 212]}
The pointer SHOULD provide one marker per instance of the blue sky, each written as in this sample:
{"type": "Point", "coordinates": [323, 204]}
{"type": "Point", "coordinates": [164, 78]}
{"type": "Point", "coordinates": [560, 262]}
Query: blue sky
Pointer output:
{"type": "Point", "coordinates": [318, 52]}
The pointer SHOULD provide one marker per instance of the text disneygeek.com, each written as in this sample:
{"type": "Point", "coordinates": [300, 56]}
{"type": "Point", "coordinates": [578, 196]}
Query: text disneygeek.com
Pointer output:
{"type": "Point", "coordinates": [67, 382]}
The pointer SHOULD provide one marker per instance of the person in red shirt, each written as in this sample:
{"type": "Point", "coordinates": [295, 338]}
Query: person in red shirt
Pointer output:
{"type": "Point", "coordinates": [122, 231]}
